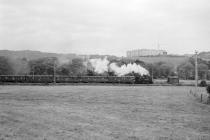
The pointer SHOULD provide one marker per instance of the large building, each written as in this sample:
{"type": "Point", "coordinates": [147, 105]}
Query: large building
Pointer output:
{"type": "Point", "coordinates": [145, 52]}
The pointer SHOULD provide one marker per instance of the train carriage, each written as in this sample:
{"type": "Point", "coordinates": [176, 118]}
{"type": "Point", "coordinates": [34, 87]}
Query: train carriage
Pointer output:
{"type": "Point", "coordinates": [75, 79]}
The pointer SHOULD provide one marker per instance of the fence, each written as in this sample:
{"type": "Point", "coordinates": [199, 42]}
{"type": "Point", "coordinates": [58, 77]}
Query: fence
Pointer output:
{"type": "Point", "coordinates": [200, 95]}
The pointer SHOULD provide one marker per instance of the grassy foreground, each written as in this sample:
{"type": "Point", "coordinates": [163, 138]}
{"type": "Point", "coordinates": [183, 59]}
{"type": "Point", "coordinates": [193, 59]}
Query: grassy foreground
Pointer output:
{"type": "Point", "coordinates": [101, 113]}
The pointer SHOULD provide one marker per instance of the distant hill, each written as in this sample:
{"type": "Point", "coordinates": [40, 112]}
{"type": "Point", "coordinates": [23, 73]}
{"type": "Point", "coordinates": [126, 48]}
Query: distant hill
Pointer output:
{"type": "Point", "coordinates": [30, 55]}
{"type": "Point", "coordinates": [172, 59]}
{"type": "Point", "coordinates": [204, 55]}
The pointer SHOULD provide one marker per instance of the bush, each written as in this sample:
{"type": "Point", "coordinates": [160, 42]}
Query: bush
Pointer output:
{"type": "Point", "coordinates": [203, 83]}
{"type": "Point", "coordinates": [208, 89]}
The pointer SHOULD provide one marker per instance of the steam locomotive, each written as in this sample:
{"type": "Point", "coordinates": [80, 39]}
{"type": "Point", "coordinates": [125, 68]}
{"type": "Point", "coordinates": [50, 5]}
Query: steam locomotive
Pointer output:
{"type": "Point", "coordinates": [145, 79]}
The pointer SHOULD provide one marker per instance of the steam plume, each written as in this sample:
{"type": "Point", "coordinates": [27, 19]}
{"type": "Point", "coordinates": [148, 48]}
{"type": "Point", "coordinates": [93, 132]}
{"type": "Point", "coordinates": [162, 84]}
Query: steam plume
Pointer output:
{"type": "Point", "coordinates": [129, 68]}
{"type": "Point", "coordinates": [100, 65]}
{"type": "Point", "coordinates": [103, 65]}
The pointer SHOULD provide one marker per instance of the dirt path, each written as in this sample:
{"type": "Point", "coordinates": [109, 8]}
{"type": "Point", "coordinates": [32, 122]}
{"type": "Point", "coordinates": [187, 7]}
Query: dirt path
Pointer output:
{"type": "Point", "coordinates": [101, 112]}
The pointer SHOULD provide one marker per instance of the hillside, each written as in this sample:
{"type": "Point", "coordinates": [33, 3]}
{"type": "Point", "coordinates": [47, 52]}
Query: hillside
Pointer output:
{"type": "Point", "coordinates": [172, 59]}
{"type": "Point", "coordinates": [204, 55]}
{"type": "Point", "coordinates": [30, 55]}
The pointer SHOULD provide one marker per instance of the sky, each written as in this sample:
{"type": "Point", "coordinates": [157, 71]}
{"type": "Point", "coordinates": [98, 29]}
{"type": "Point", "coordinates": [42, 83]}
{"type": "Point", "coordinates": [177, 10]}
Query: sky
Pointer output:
{"type": "Point", "coordinates": [105, 26]}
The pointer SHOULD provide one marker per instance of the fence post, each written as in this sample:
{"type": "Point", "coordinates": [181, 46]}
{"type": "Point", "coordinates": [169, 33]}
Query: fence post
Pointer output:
{"type": "Point", "coordinates": [201, 97]}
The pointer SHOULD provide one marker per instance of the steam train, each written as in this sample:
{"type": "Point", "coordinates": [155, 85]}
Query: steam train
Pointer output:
{"type": "Point", "coordinates": [145, 79]}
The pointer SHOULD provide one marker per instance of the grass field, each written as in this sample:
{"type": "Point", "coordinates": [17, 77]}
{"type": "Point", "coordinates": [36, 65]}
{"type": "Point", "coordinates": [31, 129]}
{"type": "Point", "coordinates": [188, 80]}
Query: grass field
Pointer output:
{"type": "Point", "coordinates": [102, 113]}
{"type": "Point", "coordinates": [181, 82]}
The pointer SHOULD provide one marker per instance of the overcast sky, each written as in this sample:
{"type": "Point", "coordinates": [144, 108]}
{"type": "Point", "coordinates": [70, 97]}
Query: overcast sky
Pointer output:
{"type": "Point", "coordinates": [105, 26]}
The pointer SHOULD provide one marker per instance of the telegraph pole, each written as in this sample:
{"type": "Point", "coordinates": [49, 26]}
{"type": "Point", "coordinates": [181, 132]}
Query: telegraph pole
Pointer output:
{"type": "Point", "coordinates": [54, 73]}
{"type": "Point", "coordinates": [152, 72]}
{"type": "Point", "coordinates": [196, 70]}
{"type": "Point", "coordinates": [158, 45]}
{"type": "Point", "coordinates": [33, 71]}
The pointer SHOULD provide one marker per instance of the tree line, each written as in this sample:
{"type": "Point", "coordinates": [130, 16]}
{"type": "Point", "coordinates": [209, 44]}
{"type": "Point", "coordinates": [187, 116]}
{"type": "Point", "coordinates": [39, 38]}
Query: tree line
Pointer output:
{"type": "Point", "coordinates": [79, 67]}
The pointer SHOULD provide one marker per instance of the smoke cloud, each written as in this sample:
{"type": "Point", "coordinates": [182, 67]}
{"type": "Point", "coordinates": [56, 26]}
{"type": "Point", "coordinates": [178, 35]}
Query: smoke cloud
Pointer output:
{"type": "Point", "coordinates": [129, 68]}
{"type": "Point", "coordinates": [103, 65]}
{"type": "Point", "coordinates": [100, 65]}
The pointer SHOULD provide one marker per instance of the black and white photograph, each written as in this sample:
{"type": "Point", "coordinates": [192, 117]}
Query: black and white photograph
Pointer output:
{"type": "Point", "coordinates": [104, 70]}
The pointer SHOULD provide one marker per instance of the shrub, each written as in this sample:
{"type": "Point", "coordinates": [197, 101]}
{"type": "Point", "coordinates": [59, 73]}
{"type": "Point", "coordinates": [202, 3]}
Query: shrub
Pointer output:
{"type": "Point", "coordinates": [203, 83]}
{"type": "Point", "coordinates": [208, 89]}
